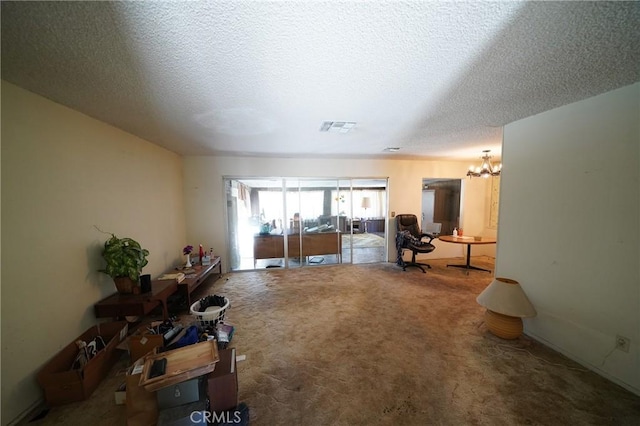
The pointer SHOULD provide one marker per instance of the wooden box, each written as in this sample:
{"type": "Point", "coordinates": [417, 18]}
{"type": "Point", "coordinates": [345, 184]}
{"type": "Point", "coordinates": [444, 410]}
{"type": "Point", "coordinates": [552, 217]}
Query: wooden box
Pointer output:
{"type": "Point", "coordinates": [62, 385]}
{"type": "Point", "coordinates": [182, 364]}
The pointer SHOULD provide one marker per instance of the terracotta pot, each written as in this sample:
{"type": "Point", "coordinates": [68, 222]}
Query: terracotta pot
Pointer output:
{"type": "Point", "coordinates": [124, 285]}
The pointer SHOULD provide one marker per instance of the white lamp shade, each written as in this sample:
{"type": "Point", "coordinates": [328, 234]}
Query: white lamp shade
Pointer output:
{"type": "Point", "coordinates": [505, 296]}
{"type": "Point", "coordinates": [366, 202]}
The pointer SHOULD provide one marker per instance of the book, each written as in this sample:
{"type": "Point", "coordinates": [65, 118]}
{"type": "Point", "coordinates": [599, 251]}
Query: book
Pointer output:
{"type": "Point", "coordinates": [178, 276]}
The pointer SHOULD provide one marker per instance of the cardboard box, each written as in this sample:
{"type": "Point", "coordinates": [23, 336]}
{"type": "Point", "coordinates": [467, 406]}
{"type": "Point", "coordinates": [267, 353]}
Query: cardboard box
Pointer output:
{"type": "Point", "coordinates": [141, 342]}
{"type": "Point", "coordinates": [62, 385]}
{"type": "Point", "coordinates": [223, 382]}
{"type": "Point", "coordinates": [142, 406]}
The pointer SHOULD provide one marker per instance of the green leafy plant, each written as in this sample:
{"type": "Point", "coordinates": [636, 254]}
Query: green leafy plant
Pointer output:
{"type": "Point", "coordinates": [125, 258]}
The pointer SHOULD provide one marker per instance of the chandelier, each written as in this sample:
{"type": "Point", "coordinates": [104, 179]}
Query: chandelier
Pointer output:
{"type": "Point", "coordinates": [486, 169]}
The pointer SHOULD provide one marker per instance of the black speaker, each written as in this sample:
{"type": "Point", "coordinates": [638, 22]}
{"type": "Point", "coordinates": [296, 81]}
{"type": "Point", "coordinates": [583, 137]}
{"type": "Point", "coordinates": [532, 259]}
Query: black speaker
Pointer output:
{"type": "Point", "coordinates": [145, 283]}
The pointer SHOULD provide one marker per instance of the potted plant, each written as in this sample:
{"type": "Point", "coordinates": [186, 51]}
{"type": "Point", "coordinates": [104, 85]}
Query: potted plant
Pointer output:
{"type": "Point", "coordinates": [125, 260]}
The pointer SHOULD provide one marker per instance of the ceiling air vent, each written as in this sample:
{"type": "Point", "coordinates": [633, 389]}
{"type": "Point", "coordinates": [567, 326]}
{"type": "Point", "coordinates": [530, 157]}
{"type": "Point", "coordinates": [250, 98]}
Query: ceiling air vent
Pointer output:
{"type": "Point", "coordinates": [337, 126]}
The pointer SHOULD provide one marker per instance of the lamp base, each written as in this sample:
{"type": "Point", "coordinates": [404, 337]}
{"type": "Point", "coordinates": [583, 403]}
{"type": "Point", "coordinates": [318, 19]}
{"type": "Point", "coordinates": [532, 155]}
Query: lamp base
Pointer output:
{"type": "Point", "coordinates": [503, 326]}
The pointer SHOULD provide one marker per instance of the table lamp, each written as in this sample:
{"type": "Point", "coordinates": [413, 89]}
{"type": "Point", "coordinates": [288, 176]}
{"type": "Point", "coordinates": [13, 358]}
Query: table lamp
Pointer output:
{"type": "Point", "coordinates": [506, 305]}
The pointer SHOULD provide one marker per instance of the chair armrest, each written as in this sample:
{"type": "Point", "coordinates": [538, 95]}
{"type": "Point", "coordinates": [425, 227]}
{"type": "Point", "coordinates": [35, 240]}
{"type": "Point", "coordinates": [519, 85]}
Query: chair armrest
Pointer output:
{"type": "Point", "coordinates": [431, 237]}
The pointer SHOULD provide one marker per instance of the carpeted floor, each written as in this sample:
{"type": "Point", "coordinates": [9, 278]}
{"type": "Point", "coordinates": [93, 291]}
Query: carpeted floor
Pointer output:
{"type": "Point", "coordinates": [373, 345]}
{"type": "Point", "coordinates": [363, 240]}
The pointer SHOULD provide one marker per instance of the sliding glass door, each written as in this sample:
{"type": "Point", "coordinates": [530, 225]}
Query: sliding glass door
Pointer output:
{"type": "Point", "coordinates": [294, 222]}
{"type": "Point", "coordinates": [367, 221]}
{"type": "Point", "coordinates": [318, 233]}
{"type": "Point", "coordinates": [254, 214]}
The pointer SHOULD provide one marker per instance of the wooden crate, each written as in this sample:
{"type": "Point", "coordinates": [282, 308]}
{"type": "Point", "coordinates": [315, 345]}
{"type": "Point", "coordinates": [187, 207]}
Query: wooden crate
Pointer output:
{"type": "Point", "coordinates": [182, 364]}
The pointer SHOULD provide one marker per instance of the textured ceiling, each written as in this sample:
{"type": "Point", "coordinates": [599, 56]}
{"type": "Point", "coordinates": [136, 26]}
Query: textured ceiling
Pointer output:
{"type": "Point", "coordinates": [437, 79]}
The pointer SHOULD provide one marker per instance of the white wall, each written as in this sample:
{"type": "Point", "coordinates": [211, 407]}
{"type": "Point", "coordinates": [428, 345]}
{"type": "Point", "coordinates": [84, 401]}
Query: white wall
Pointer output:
{"type": "Point", "coordinates": [569, 228]}
{"type": "Point", "coordinates": [63, 173]}
{"type": "Point", "coordinates": [205, 200]}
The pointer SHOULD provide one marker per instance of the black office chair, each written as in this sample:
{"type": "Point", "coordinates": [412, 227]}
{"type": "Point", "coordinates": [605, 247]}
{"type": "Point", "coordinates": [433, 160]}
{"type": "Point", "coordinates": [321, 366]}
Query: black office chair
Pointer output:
{"type": "Point", "coordinates": [409, 237]}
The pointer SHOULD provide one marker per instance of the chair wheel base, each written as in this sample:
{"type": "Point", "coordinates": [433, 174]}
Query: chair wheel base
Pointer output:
{"type": "Point", "coordinates": [417, 265]}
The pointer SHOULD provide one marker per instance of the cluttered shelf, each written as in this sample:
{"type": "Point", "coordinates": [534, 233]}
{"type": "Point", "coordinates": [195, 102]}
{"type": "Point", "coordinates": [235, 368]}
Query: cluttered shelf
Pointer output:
{"type": "Point", "coordinates": [123, 305]}
{"type": "Point", "coordinates": [195, 275]}
{"type": "Point", "coordinates": [175, 281]}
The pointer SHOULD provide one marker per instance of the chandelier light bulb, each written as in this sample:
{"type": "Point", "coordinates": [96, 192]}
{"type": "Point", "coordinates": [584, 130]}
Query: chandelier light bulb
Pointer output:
{"type": "Point", "coordinates": [486, 169]}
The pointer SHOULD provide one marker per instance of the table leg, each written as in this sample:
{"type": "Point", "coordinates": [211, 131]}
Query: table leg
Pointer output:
{"type": "Point", "coordinates": [468, 264]}
{"type": "Point", "coordinates": [165, 309]}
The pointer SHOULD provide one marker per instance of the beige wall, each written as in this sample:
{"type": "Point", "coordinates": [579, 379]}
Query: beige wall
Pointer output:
{"type": "Point", "coordinates": [63, 173]}
{"type": "Point", "coordinates": [569, 228]}
{"type": "Point", "coordinates": [205, 200]}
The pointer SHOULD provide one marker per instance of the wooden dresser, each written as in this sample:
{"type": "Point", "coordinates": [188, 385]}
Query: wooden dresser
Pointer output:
{"type": "Point", "coordinates": [268, 247]}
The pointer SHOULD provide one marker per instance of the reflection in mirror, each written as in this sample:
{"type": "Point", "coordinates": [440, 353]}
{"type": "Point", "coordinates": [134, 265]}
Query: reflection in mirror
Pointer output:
{"type": "Point", "coordinates": [440, 205]}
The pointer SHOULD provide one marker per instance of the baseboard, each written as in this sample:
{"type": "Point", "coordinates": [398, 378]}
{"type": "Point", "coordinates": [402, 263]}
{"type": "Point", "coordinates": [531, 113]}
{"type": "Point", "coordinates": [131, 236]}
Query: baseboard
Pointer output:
{"type": "Point", "coordinates": [585, 364]}
{"type": "Point", "coordinates": [29, 412]}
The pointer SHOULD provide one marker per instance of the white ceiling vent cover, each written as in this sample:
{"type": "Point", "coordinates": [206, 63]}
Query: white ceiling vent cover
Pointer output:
{"type": "Point", "coordinates": [337, 126]}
